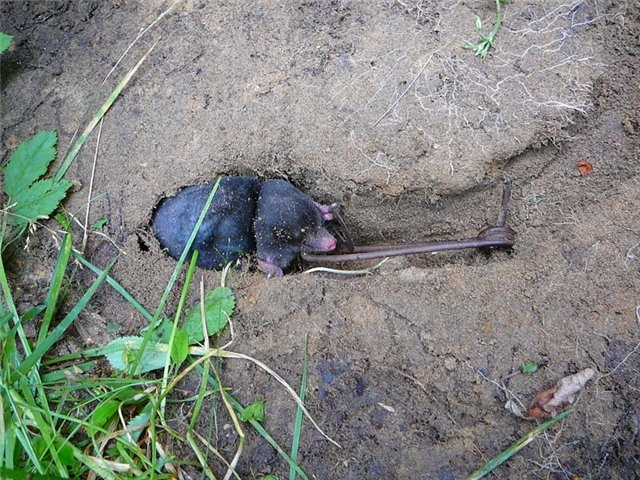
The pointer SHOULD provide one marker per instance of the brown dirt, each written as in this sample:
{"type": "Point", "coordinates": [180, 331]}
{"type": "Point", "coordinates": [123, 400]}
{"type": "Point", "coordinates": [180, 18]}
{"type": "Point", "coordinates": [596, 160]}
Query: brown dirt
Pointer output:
{"type": "Point", "coordinates": [374, 105]}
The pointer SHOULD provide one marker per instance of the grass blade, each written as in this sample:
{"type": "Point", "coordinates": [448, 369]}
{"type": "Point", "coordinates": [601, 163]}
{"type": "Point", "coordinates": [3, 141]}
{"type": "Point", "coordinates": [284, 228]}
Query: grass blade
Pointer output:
{"type": "Point", "coordinates": [66, 322]}
{"type": "Point", "coordinates": [62, 170]}
{"type": "Point", "coordinates": [116, 286]}
{"type": "Point", "coordinates": [517, 446]}
{"type": "Point", "coordinates": [176, 320]}
{"type": "Point", "coordinates": [297, 427]}
{"type": "Point", "coordinates": [259, 428]}
{"type": "Point", "coordinates": [56, 285]}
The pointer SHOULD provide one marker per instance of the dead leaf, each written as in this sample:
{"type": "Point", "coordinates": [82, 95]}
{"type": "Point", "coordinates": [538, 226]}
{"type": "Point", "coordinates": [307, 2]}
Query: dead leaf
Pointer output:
{"type": "Point", "coordinates": [585, 168]}
{"type": "Point", "coordinates": [549, 402]}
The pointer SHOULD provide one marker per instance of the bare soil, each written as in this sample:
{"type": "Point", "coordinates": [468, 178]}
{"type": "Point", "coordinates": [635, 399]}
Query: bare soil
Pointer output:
{"type": "Point", "coordinates": [374, 105]}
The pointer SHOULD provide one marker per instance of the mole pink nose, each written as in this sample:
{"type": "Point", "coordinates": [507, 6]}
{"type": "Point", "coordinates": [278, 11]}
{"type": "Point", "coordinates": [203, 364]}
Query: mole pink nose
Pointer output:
{"type": "Point", "coordinates": [331, 243]}
{"type": "Point", "coordinates": [322, 241]}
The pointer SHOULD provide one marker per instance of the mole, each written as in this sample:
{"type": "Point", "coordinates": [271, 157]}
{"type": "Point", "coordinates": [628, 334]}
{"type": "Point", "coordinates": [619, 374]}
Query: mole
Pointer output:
{"type": "Point", "coordinates": [271, 218]}
{"type": "Point", "coordinates": [287, 222]}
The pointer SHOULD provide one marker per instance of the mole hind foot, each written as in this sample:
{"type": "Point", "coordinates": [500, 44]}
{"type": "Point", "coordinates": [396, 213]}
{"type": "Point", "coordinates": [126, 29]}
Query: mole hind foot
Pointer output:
{"type": "Point", "coordinates": [270, 268]}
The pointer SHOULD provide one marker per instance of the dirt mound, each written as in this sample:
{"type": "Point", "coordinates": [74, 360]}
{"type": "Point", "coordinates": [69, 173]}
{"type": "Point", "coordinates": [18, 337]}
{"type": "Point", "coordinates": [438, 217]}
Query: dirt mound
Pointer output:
{"type": "Point", "coordinates": [375, 105]}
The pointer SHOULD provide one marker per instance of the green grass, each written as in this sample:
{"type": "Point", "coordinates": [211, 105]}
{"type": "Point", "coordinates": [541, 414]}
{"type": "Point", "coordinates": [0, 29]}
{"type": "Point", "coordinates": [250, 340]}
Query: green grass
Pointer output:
{"type": "Point", "coordinates": [486, 42]}
{"type": "Point", "coordinates": [297, 427]}
{"type": "Point", "coordinates": [5, 41]}
{"type": "Point", "coordinates": [60, 419]}
{"type": "Point", "coordinates": [69, 416]}
{"type": "Point", "coordinates": [517, 446]}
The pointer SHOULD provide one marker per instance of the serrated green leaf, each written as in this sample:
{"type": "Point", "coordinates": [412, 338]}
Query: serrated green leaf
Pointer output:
{"type": "Point", "coordinates": [135, 424]}
{"type": "Point", "coordinates": [255, 411]}
{"type": "Point", "coordinates": [29, 162]}
{"type": "Point", "coordinates": [218, 305]}
{"type": "Point", "coordinates": [180, 346]}
{"type": "Point", "coordinates": [38, 201]}
{"type": "Point", "coordinates": [5, 41]}
{"type": "Point", "coordinates": [121, 352]}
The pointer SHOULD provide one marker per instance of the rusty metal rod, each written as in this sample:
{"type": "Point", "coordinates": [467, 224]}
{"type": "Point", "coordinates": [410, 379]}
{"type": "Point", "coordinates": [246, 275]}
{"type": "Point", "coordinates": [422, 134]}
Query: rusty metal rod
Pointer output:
{"type": "Point", "coordinates": [496, 236]}
{"type": "Point", "coordinates": [491, 237]}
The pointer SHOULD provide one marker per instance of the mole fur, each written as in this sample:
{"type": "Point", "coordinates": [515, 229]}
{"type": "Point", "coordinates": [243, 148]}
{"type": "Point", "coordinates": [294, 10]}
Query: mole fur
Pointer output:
{"type": "Point", "coordinates": [226, 232]}
{"type": "Point", "coordinates": [272, 218]}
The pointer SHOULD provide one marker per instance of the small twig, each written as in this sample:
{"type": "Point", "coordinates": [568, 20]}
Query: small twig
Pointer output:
{"type": "Point", "coordinates": [624, 360]}
{"type": "Point", "coordinates": [631, 256]}
{"type": "Point", "coordinates": [140, 35]}
{"type": "Point", "coordinates": [504, 208]}
{"type": "Point", "coordinates": [394, 104]}
{"type": "Point", "coordinates": [95, 232]}
{"type": "Point", "coordinates": [85, 234]}
{"type": "Point", "coordinates": [71, 155]}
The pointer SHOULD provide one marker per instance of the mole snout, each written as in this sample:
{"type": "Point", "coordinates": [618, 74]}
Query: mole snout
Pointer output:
{"type": "Point", "coordinates": [322, 241]}
{"type": "Point", "coordinates": [272, 219]}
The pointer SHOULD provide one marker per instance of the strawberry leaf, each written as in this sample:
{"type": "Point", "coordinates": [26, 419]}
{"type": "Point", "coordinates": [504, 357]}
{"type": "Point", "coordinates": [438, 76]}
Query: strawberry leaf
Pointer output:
{"type": "Point", "coordinates": [38, 200]}
{"type": "Point", "coordinates": [218, 306]}
{"type": "Point", "coordinates": [29, 162]}
{"type": "Point", "coordinates": [121, 353]}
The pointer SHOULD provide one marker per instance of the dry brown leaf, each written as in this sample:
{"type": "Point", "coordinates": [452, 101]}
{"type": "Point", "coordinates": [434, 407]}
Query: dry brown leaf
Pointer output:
{"type": "Point", "coordinates": [585, 168]}
{"type": "Point", "coordinates": [549, 402]}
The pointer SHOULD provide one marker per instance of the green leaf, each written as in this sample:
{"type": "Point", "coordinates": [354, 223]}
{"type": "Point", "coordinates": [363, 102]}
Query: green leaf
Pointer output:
{"type": "Point", "coordinates": [5, 40]}
{"type": "Point", "coordinates": [218, 306]}
{"type": "Point", "coordinates": [30, 197]}
{"type": "Point", "coordinates": [29, 162]}
{"type": "Point", "coordinates": [529, 367]}
{"type": "Point", "coordinates": [100, 224]}
{"type": "Point", "coordinates": [162, 331]}
{"type": "Point", "coordinates": [65, 453]}
{"type": "Point", "coordinates": [135, 424]}
{"type": "Point", "coordinates": [255, 411]}
{"type": "Point", "coordinates": [122, 351]}
{"type": "Point", "coordinates": [180, 346]}
{"type": "Point", "coordinates": [38, 201]}
{"type": "Point", "coordinates": [129, 395]}
{"type": "Point", "coordinates": [101, 415]}
{"type": "Point", "coordinates": [478, 23]}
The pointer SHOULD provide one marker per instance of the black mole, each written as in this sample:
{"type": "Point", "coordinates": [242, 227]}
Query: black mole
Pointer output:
{"type": "Point", "coordinates": [227, 229]}
{"type": "Point", "coordinates": [272, 218]}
